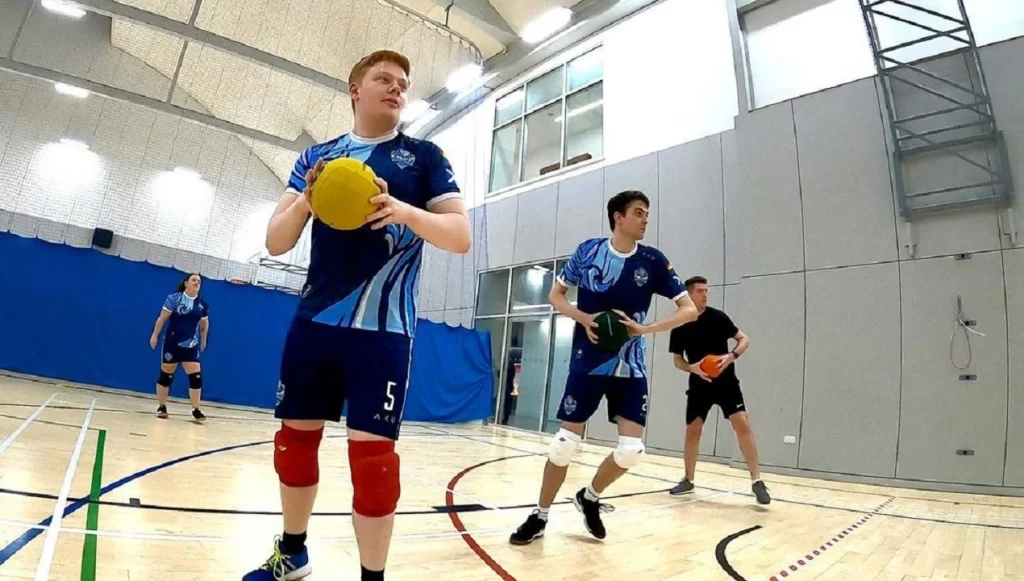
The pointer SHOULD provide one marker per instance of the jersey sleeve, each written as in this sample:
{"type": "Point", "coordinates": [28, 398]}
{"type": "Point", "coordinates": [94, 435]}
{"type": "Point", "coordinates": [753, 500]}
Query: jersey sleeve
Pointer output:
{"type": "Point", "coordinates": [729, 329]}
{"type": "Point", "coordinates": [305, 162]}
{"type": "Point", "coordinates": [439, 178]}
{"type": "Point", "coordinates": [206, 308]}
{"type": "Point", "coordinates": [171, 302]}
{"type": "Point", "coordinates": [572, 270]}
{"type": "Point", "coordinates": [669, 284]}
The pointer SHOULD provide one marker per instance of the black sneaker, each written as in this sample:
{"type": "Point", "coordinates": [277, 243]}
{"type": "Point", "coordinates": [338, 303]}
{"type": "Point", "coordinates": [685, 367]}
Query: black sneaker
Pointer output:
{"type": "Point", "coordinates": [684, 487]}
{"type": "Point", "coordinates": [591, 510]}
{"type": "Point", "coordinates": [198, 415]}
{"type": "Point", "coordinates": [161, 412]}
{"type": "Point", "coordinates": [530, 530]}
{"type": "Point", "coordinates": [761, 492]}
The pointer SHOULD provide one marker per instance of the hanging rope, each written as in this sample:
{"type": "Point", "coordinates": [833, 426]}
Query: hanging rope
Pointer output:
{"type": "Point", "coordinates": [961, 323]}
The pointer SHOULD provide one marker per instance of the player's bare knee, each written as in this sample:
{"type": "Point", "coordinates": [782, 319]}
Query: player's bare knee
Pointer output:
{"type": "Point", "coordinates": [694, 428]}
{"type": "Point", "coordinates": [296, 456]}
{"type": "Point", "coordinates": [629, 452]}
{"type": "Point", "coordinates": [740, 424]}
{"type": "Point", "coordinates": [563, 445]}
{"type": "Point", "coordinates": [376, 483]}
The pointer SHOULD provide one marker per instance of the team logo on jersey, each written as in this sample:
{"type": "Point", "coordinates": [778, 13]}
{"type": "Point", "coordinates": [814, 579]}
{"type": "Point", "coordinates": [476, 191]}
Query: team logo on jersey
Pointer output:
{"type": "Point", "coordinates": [403, 158]}
{"type": "Point", "coordinates": [569, 404]}
{"type": "Point", "coordinates": [640, 276]}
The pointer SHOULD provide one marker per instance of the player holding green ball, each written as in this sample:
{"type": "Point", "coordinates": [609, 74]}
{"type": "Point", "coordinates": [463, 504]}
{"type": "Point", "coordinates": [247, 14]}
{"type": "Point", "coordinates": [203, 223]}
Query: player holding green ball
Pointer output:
{"type": "Point", "coordinates": [616, 277]}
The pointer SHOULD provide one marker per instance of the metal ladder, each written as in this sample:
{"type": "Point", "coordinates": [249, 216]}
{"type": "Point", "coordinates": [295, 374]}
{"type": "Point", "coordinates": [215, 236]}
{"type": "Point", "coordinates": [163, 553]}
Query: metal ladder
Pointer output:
{"type": "Point", "coordinates": [947, 151]}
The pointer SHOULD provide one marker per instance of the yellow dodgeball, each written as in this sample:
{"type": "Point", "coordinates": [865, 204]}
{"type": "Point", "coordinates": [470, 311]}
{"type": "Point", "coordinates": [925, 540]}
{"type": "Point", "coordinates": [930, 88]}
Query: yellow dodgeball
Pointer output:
{"type": "Point", "coordinates": [341, 194]}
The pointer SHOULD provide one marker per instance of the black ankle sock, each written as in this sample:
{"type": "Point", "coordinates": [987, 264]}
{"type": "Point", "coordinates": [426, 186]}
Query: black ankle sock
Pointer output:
{"type": "Point", "coordinates": [369, 575]}
{"type": "Point", "coordinates": [292, 544]}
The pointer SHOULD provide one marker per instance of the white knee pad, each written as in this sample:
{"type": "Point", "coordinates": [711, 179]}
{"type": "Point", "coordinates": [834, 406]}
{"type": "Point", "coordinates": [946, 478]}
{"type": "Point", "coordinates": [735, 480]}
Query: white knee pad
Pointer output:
{"type": "Point", "coordinates": [563, 446]}
{"type": "Point", "coordinates": [629, 452]}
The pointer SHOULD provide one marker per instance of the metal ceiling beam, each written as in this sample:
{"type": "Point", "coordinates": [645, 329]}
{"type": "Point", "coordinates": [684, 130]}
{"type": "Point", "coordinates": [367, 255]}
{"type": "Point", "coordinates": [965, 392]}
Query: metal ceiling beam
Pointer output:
{"type": "Point", "coordinates": [589, 18]}
{"type": "Point", "coordinates": [299, 144]}
{"type": "Point", "coordinates": [484, 15]}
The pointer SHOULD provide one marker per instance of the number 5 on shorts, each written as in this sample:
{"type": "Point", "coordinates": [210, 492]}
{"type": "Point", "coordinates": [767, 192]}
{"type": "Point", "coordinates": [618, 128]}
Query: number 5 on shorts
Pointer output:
{"type": "Point", "coordinates": [390, 404]}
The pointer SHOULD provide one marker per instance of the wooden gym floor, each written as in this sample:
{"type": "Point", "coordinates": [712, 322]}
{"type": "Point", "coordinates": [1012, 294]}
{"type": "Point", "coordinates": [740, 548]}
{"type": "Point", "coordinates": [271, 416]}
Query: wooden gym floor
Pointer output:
{"type": "Point", "coordinates": [176, 501]}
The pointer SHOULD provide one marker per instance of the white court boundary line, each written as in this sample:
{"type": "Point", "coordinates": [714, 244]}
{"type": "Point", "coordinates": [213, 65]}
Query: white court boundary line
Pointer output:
{"type": "Point", "coordinates": [53, 531]}
{"type": "Point", "coordinates": [17, 432]}
{"type": "Point", "coordinates": [351, 538]}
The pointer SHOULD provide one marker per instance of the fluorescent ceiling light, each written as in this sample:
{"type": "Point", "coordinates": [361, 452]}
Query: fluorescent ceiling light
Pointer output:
{"type": "Point", "coordinates": [74, 143]}
{"type": "Point", "coordinates": [546, 24]}
{"type": "Point", "coordinates": [64, 8]}
{"type": "Point", "coordinates": [414, 110]}
{"type": "Point", "coordinates": [463, 77]}
{"type": "Point", "coordinates": [71, 90]}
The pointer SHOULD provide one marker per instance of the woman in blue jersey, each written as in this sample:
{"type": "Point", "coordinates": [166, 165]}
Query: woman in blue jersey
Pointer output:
{"type": "Point", "coordinates": [188, 321]}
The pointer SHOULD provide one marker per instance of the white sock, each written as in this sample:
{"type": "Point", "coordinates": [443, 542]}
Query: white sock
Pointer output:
{"type": "Point", "coordinates": [591, 494]}
{"type": "Point", "coordinates": [754, 480]}
{"type": "Point", "coordinates": [542, 512]}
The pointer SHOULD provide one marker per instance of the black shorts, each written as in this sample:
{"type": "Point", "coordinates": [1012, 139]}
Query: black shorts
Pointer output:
{"type": "Point", "coordinates": [726, 396]}
{"type": "Point", "coordinates": [323, 367]}
{"type": "Point", "coordinates": [627, 398]}
{"type": "Point", "coordinates": [178, 354]}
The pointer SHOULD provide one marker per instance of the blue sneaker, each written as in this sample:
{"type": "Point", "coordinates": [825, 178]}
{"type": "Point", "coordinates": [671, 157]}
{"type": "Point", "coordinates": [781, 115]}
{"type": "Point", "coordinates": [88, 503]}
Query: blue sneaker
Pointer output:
{"type": "Point", "coordinates": [282, 567]}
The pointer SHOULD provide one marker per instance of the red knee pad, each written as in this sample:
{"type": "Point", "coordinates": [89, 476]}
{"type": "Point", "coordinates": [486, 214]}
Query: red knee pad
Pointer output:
{"type": "Point", "coordinates": [375, 481]}
{"type": "Point", "coordinates": [295, 456]}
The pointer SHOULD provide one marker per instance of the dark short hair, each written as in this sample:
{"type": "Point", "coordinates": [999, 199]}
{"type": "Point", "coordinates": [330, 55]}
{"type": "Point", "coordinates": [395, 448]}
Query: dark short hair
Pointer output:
{"type": "Point", "coordinates": [621, 201]}
{"type": "Point", "coordinates": [695, 280]}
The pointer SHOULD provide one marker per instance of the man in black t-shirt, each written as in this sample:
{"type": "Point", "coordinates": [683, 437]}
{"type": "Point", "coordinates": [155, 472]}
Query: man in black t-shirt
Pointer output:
{"type": "Point", "coordinates": [691, 343]}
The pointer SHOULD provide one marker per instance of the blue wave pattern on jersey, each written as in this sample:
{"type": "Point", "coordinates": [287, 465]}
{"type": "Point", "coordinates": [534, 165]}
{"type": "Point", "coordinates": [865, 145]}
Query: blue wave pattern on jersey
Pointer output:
{"type": "Point", "coordinates": [630, 360]}
{"type": "Point", "coordinates": [596, 268]}
{"type": "Point", "coordinates": [390, 296]}
{"type": "Point", "coordinates": [183, 325]}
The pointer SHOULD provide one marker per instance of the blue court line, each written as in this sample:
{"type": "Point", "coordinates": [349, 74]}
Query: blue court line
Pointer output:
{"type": "Point", "coordinates": [19, 543]}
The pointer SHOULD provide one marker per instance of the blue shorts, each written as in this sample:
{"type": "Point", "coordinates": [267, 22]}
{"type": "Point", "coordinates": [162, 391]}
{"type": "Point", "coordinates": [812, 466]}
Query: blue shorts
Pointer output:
{"type": "Point", "coordinates": [324, 366]}
{"type": "Point", "coordinates": [178, 354]}
{"type": "Point", "coordinates": [627, 397]}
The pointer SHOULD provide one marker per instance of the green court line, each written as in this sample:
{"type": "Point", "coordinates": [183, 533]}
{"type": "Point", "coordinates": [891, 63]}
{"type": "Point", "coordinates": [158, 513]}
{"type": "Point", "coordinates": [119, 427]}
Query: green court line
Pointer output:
{"type": "Point", "coordinates": [92, 520]}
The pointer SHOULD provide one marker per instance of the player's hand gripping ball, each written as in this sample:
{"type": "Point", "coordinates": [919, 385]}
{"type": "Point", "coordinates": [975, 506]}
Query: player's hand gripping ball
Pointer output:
{"type": "Point", "coordinates": [611, 333]}
{"type": "Point", "coordinates": [709, 365]}
{"type": "Point", "coordinates": [341, 193]}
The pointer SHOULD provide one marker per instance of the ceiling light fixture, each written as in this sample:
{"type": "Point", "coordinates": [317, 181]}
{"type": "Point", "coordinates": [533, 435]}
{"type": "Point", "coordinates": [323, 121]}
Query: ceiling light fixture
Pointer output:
{"type": "Point", "coordinates": [546, 24]}
{"type": "Point", "coordinates": [463, 77]}
{"type": "Point", "coordinates": [71, 90]}
{"type": "Point", "coordinates": [63, 8]}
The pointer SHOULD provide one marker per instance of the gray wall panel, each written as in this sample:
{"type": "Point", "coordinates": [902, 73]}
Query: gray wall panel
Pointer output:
{"type": "Point", "coordinates": [852, 403]}
{"type": "Point", "coordinates": [769, 198]}
{"type": "Point", "coordinates": [690, 206]}
{"type": "Point", "coordinates": [770, 310]}
{"type": "Point", "coordinates": [453, 281]}
{"type": "Point", "coordinates": [499, 230]}
{"type": "Point", "coordinates": [844, 173]}
{"type": "Point", "coordinates": [1013, 261]}
{"type": "Point", "coordinates": [970, 230]}
{"type": "Point", "coordinates": [640, 173]}
{"type": "Point", "coordinates": [581, 211]}
{"type": "Point", "coordinates": [733, 200]}
{"type": "Point", "coordinates": [535, 225]}
{"type": "Point", "coordinates": [939, 413]}
{"type": "Point", "coordinates": [1006, 87]}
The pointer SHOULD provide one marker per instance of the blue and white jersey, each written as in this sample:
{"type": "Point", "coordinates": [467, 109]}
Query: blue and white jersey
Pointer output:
{"type": "Point", "coordinates": [610, 280]}
{"type": "Point", "coordinates": [183, 324]}
{"type": "Point", "coordinates": [363, 278]}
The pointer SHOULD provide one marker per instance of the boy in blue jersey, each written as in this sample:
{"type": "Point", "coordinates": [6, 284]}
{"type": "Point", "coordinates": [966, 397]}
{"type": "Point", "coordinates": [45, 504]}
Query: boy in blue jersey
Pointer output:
{"type": "Point", "coordinates": [351, 338]}
{"type": "Point", "coordinates": [611, 274]}
{"type": "Point", "coordinates": [187, 317]}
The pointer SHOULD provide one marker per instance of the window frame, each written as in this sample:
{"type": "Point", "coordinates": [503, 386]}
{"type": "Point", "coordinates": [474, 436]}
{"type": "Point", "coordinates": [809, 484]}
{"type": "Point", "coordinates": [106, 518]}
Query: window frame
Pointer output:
{"type": "Point", "coordinates": [524, 112]}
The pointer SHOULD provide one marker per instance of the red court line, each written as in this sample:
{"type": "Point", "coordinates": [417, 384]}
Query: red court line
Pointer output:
{"type": "Point", "coordinates": [449, 499]}
{"type": "Point", "coordinates": [802, 562]}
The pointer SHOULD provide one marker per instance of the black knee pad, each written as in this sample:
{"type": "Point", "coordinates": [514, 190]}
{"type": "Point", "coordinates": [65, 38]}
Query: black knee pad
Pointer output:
{"type": "Point", "coordinates": [165, 379]}
{"type": "Point", "coordinates": [195, 380]}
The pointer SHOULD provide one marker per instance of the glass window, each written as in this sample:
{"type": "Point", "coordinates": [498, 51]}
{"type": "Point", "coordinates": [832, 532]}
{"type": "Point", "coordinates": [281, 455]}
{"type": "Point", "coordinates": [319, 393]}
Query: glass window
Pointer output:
{"type": "Point", "coordinates": [584, 123]}
{"type": "Point", "coordinates": [543, 141]}
{"type": "Point", "coordinates": [584, 70]}
{"type": "Point", "coordinates": [492, 293]}
{"type": "Point", "coordinates": [530, 287]}
{"type": "Point", "coordinates": [506, 155]}
{"type": "Point", "coordinates": [544, 88]}
{"type": "Point", "coordinates": [530, 137]}
{"type": "Point", "coordinates": [509, 107]}
{"type": "Point", "coordinates": [526, 369]}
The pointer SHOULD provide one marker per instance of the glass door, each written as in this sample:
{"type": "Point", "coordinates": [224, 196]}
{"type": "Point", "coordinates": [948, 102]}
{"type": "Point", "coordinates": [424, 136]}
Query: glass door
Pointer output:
{"type": "Point", "coordinates": [527, 352]}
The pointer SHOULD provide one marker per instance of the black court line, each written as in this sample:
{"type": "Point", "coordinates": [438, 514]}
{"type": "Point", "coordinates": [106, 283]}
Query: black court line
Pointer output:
{"type": "Point", "coordinates": [723, 561]}
{"type": "Point", "coordinates": [49, 423]}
